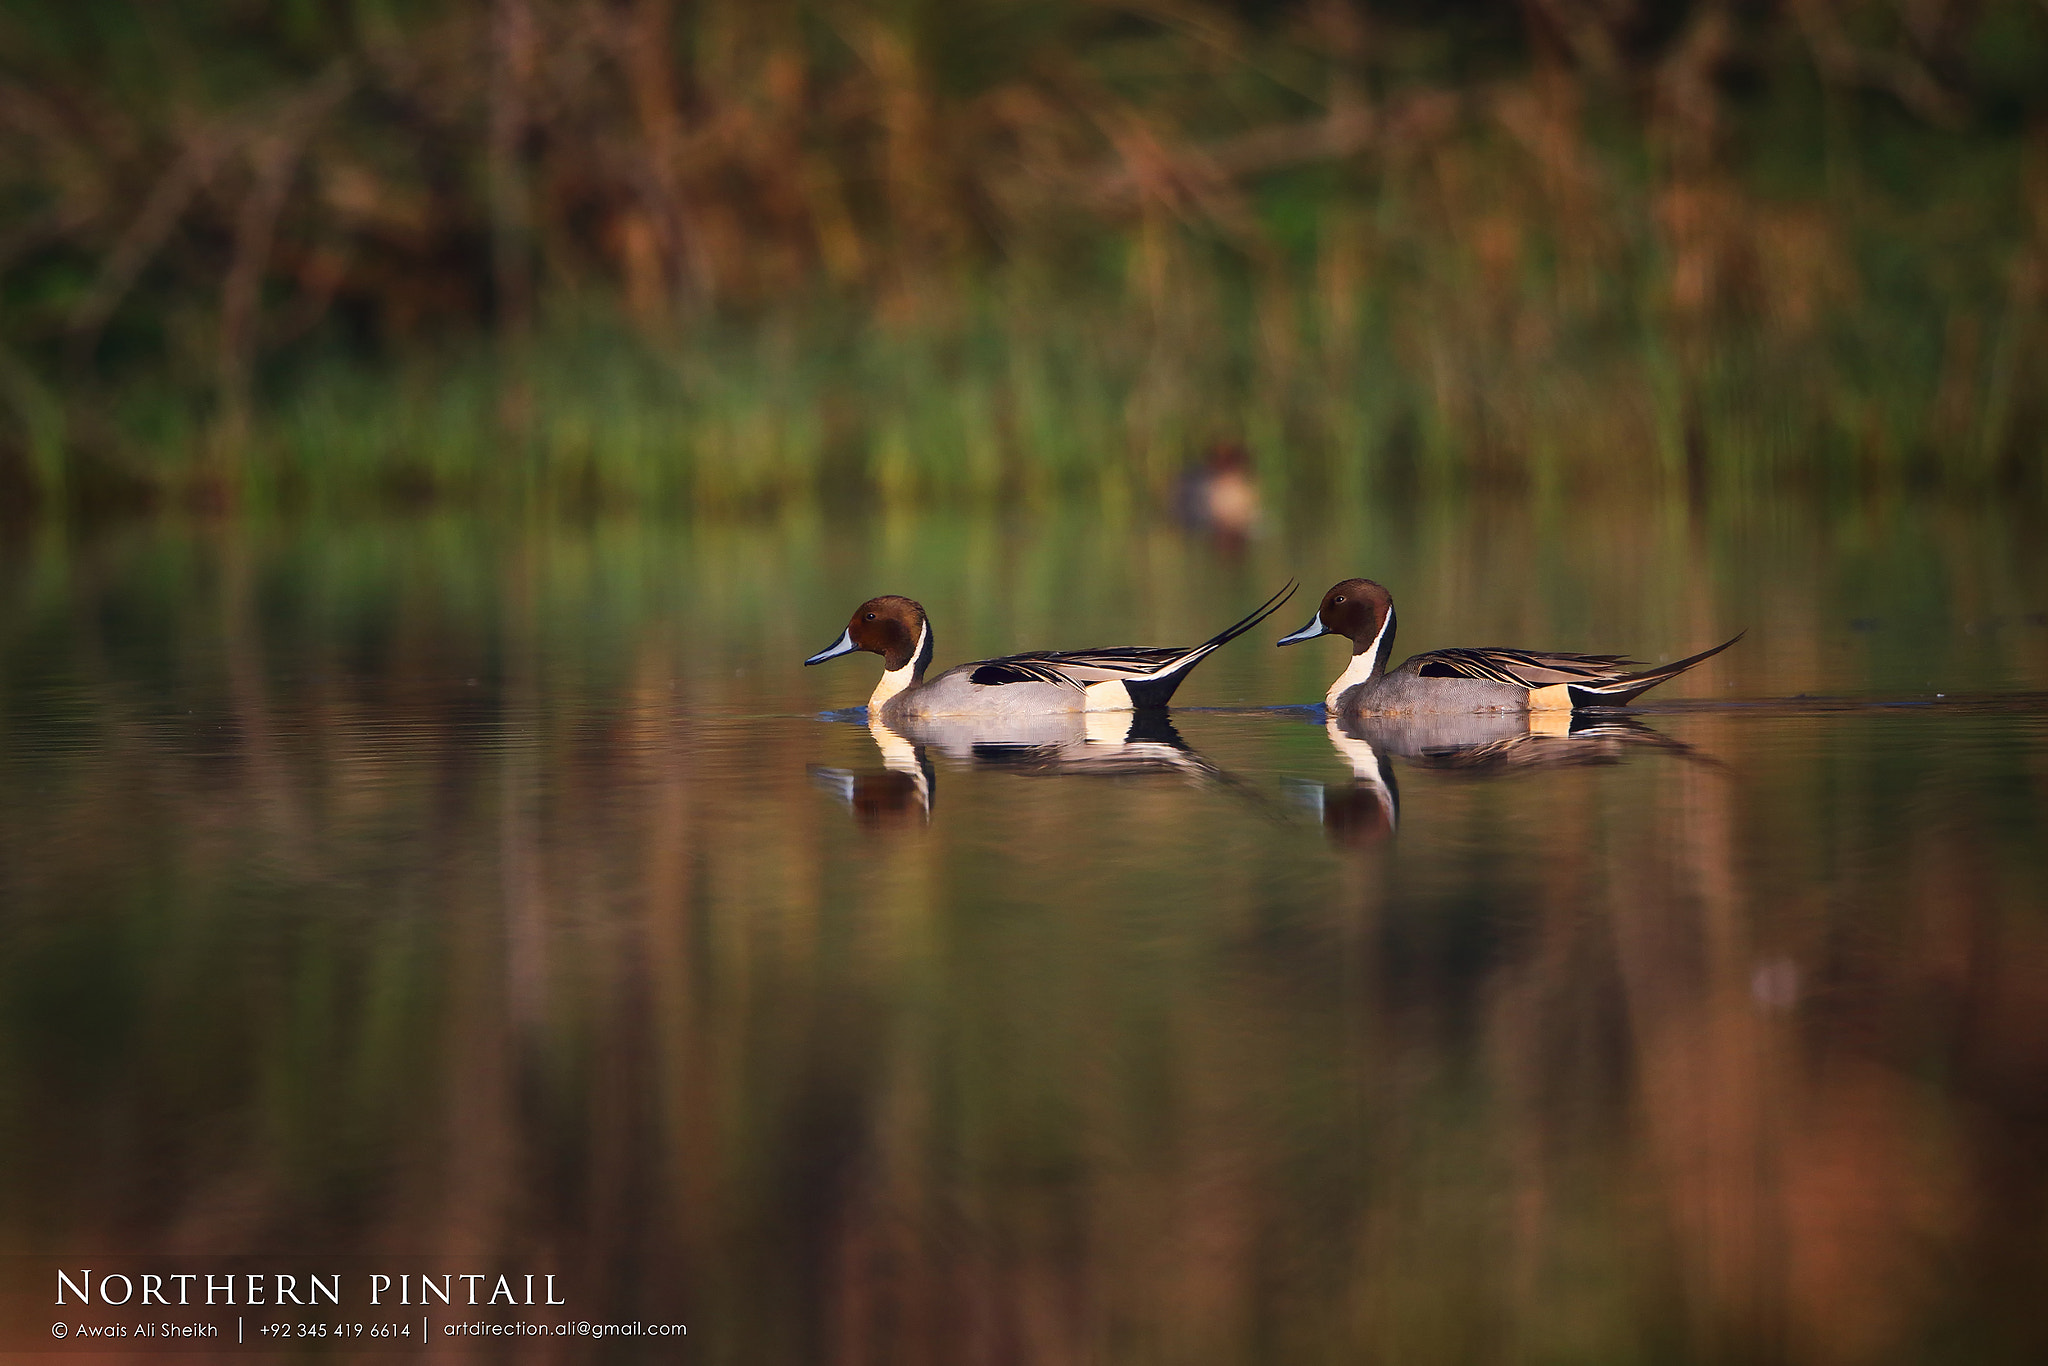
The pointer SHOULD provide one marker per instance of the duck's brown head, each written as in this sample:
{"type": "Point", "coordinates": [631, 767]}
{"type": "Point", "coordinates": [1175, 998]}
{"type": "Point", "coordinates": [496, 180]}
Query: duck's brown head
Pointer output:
{"type": "Point", "coordinates": [892, 627]}
{"type": "Point", "coordinates": [1357, 609]}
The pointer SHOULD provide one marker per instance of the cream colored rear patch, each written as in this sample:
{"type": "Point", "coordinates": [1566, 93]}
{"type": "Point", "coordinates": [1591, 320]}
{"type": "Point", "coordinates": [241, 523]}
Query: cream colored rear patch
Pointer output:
{"type": "Point", "coordinates": [1110, 696]}
{"type": "Point", "coordinates": [1556, 697]}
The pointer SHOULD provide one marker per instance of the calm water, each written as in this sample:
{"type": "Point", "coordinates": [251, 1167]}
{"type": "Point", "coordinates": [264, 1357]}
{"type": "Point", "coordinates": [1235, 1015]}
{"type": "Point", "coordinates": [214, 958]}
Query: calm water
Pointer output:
{"type": "Point", "coordinates": [434, 890]}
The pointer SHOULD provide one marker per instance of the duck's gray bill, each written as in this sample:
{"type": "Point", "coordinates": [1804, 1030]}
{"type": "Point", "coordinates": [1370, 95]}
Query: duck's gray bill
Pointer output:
{"type": "Point", "coordinates": [842, 646]}
{"type": "Point", "coordinates": [1314, 628]}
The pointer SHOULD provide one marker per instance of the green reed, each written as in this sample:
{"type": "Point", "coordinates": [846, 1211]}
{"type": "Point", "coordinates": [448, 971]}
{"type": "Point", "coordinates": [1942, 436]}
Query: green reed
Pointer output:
{"type": "Point", "coordinates": [531, 254]}
{"type": "Point", "coordinates": [1107, 405]}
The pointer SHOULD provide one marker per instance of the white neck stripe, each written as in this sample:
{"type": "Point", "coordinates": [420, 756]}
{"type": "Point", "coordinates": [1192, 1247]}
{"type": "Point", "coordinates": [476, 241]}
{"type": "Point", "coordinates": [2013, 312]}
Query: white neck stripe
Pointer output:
{"type": "Point", "coordinates": [896, 680]}
{"type": "Point", "coordinates": [1363, 665]}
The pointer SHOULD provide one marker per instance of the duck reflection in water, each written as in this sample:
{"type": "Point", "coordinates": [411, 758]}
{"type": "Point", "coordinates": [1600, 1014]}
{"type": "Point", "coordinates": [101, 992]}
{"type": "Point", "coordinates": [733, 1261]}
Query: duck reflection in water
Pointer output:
{"type": "Point", "coordinates": [899, 793]}
{"type": "Point", "coordinates": [1479, 745]}
{"type": "Point", "coordinates": [1095, 745]}
{"type": "Point", "coordinates": [1130, 744]}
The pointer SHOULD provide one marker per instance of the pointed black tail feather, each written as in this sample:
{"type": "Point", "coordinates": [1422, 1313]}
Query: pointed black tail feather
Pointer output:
{"type": "Point", "coordinates": [1158, 690]}
{"type": "Point", "coordinates": [1622, 691]}
{"type": "Point", "coordinates": [1259, 614]}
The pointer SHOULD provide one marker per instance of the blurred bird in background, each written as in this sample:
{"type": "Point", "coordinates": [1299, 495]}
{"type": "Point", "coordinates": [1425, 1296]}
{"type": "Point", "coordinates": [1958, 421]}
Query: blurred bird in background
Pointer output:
{"type": "Point", "coordinates": [1220, 496]}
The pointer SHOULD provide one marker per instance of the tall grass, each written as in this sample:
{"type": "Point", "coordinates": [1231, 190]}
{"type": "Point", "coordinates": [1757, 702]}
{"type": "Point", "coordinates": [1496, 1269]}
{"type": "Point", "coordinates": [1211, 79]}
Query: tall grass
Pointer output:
{"type": "Point", "coordinates": [733, 253]}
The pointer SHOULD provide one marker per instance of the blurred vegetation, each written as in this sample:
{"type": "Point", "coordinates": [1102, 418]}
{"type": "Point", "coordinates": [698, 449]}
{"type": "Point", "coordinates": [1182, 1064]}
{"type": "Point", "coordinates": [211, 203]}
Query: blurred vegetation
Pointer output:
{"type": "Point", "coordinates": [732, 254]}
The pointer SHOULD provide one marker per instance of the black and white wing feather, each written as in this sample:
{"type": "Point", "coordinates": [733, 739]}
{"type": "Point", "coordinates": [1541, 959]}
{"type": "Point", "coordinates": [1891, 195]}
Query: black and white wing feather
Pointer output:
{"type": "Point", "coordinates": [1523, 668]}
{"type": "Point", "coordinates": [1594, 680]}
{"type": "Point", "coordinates": [1154, 670]}
{"type": "Point", "coordinates": [1041, 668]}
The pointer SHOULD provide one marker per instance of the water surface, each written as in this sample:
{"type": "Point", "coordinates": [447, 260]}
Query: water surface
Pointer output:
{"type": "Point", "coordinates": [427, 888]}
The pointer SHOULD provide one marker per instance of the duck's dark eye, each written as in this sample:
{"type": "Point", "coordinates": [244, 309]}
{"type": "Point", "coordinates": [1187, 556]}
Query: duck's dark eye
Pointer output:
{"type": "Point", "coordinates": [1334, 601]}
{"type": "Point", "coordinates": [871, 616]}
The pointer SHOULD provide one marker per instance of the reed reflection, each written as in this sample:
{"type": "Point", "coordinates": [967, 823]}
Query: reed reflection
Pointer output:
{"type": "Point", "coordinates": [312, 941]}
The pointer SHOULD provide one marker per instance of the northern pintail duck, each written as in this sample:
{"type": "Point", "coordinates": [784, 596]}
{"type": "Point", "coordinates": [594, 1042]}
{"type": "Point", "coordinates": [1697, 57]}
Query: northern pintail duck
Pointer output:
{"type": "Point", "coordinates": [1466, 680]}
{"type": "Point", "coordinates": [1118, 678]}
{"type": "Point", "coordinates": [1220, 495]}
